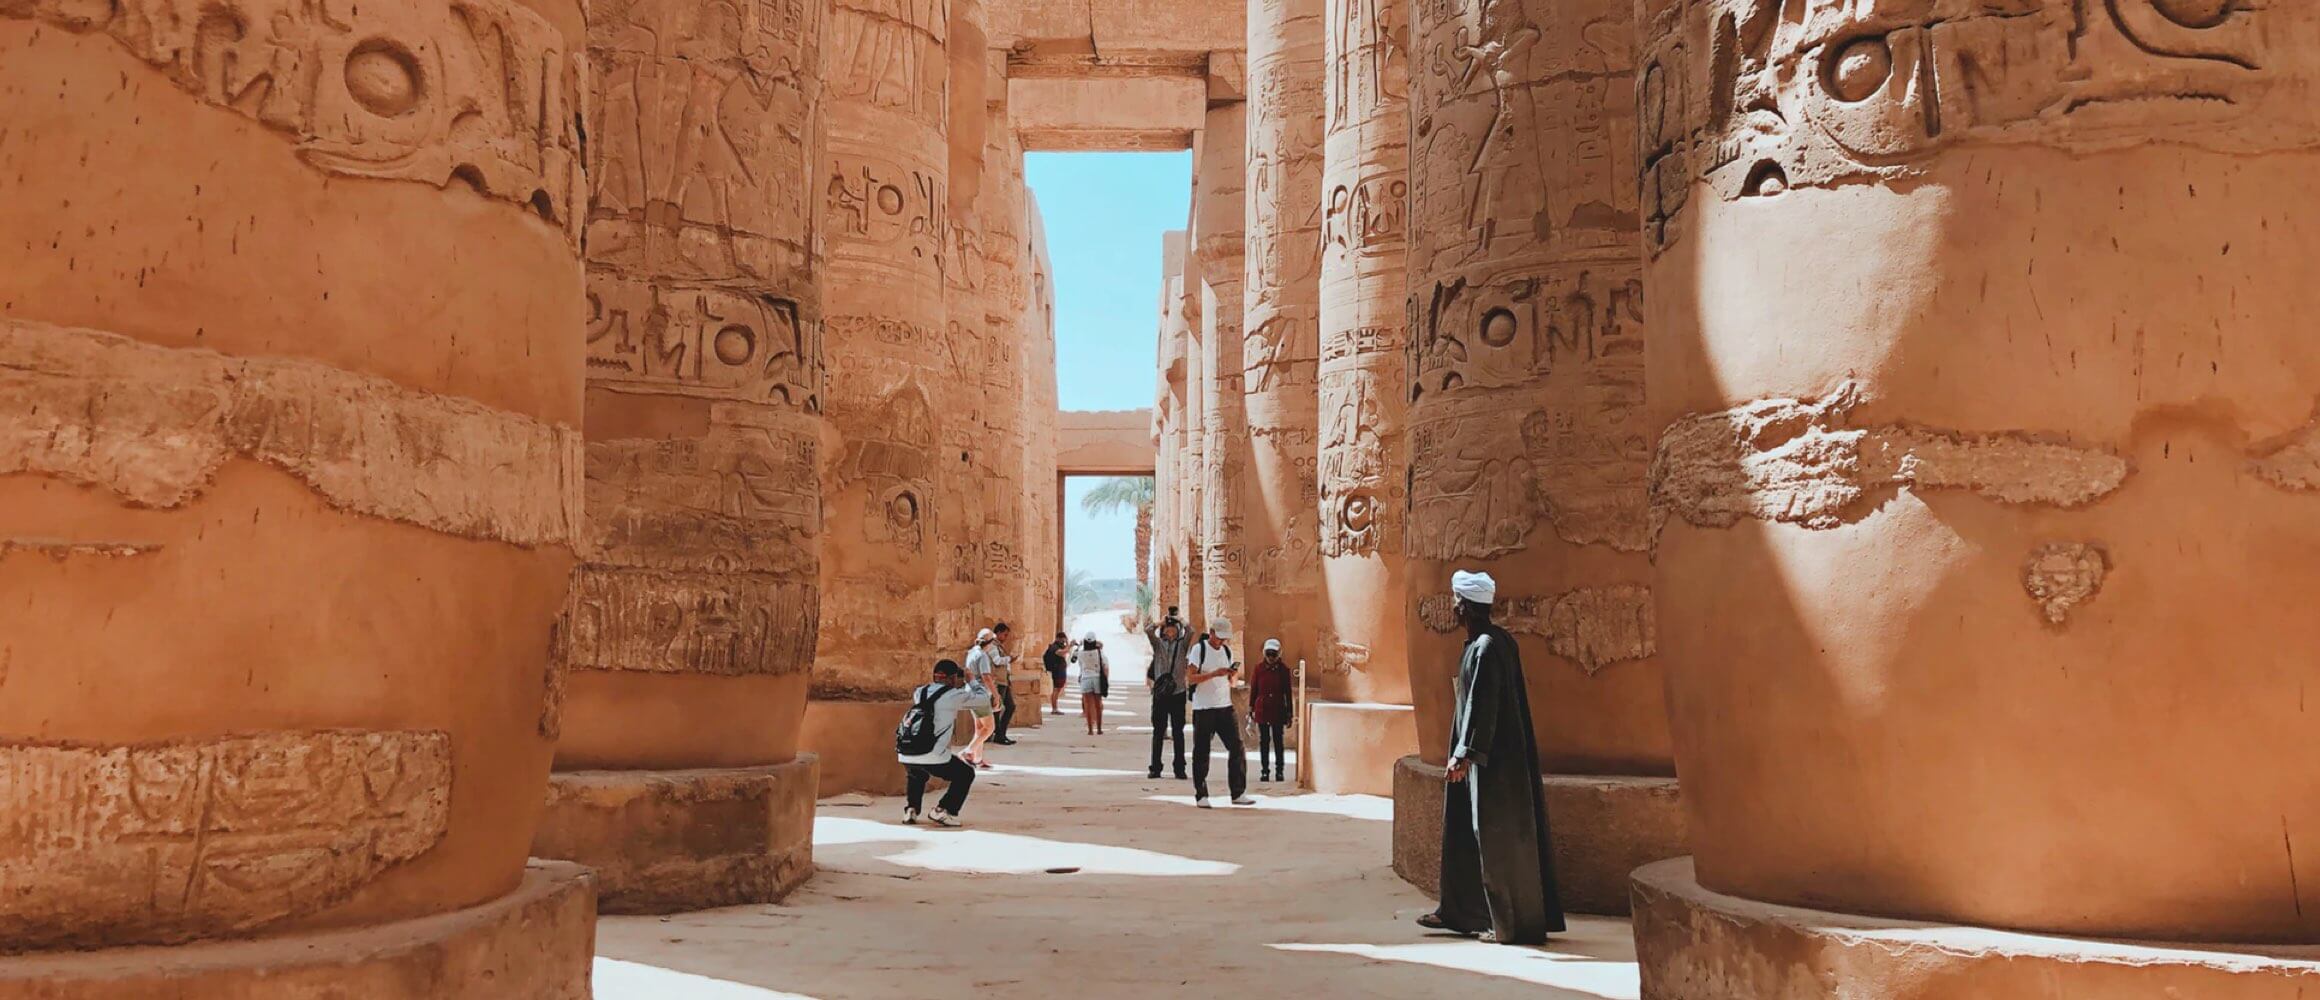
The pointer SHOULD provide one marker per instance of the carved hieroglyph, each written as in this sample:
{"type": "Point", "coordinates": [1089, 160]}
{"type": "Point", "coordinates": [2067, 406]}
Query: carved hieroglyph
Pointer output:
{"type": "Point", "coordinates": [895, 403]}
{"type": "Point", "coordinates": [1363, 467]}
{"type": "Point", "coordinates": [703, 552]}
{"type": "Point", "coordinates": [1219, 207]}
{"type": "Point", "coordinates": [1280, 344]}
{"type": "Point", "coordinates": [477, 92]}
{"type": "Point", "coordinates": [1982, 381]}
{"type": "Point", "coordinates": [1529, 445]}
{"type": "Point", "coordinates": [160, 843]}
{"type": "Point", "coordinates": [152, 425]}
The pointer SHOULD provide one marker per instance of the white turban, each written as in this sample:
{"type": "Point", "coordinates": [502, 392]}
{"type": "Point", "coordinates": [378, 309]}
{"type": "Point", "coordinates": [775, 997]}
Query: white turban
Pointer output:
{"type": "Point", "coordinates": [1476, 587]}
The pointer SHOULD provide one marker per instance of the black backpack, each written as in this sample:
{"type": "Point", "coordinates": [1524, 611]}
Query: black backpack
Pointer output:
{"type": "Point", "coordinates": [916, 735]}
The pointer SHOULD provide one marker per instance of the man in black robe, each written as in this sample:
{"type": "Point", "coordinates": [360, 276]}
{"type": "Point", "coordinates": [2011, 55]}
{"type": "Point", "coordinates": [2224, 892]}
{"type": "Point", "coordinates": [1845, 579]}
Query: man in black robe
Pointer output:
{"type": "Point", "coordinates": [1498, 874]}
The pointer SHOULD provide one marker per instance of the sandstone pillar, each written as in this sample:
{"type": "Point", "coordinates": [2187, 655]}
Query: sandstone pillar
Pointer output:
{"type": "Point", "coordinates": [1984, 386]}
{"type": "Point", "coordinates": [1044, 561]}
{"type": "Point", "coordinates": [893, 402]}
{"type": "Point", "coordinates": [1220, 206]}
{"type": "Point", "coordinates": [1527, 431]}
{"type": "Point", "coordinates": [1168, 416]}
{"type": "Point", "coordinates": [1362, 459]}
{"type": "Point", "coordinates": [290, 395]}
{"type": "Point", "coordinates": [1004, 441]}
{"type": "Point", "coordinates": [1281, 313]}
{"type": "Point", "coordinates": [690, 628]}
{"type": "Point", "coordinates": [1192, 465]}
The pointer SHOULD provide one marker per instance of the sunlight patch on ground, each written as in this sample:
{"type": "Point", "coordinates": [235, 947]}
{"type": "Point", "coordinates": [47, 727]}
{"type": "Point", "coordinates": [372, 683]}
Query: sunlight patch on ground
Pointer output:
{"type": "Point", "coordinates": [970, 850]}
{"type": "Point", "coordinates": [1049, 771]}
{"type": "Point", "coordinates": [1585, 977]}
{"type": "Point", "coordinates": [1371, 807]}
{"type": "Point", "coordinates": [618, 980]}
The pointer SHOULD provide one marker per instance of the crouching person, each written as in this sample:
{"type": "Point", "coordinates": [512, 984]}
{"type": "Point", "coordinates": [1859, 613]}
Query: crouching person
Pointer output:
{"type": "Point", "coordinates": [923, 744]}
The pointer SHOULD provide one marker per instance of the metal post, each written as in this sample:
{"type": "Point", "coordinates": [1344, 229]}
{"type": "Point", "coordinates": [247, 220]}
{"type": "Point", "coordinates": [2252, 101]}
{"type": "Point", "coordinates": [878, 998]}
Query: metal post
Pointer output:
{"type": "Point", "coordinates": [1304, 730]}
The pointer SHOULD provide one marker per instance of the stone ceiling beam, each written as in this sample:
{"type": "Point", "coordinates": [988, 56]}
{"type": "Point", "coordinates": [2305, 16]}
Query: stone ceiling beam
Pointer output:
{"type": "Point", "coordinates": [1108, 113]}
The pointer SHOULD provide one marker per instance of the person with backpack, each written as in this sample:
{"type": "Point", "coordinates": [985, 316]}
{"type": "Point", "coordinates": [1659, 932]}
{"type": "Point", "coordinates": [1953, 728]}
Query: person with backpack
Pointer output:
{"type": "Point", "coordinates": [1095, 681]}
{"type": "Point", "coordinates": [1212, 670]}
{"type": "Point", "coordinates": [923, 744]}
{"type": "Point", "coordinates": [1165, 679]}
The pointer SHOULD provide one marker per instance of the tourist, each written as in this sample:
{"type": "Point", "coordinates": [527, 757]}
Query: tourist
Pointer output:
{"type": "Point", "coordinates": [1095, 681]}
{"type": "Point", "coordinates": [1272, 702]}
{"type": "Point", "coordinates": [935, 709]}
{"type": "Point", "coordinates": [1212, 670]}
{"type": "Point", "coordinates": [1003, 675]}
{"type": "Point", "coordinates": [1165, 679]}
{"type": "Point", "coordinates": [980, 700]}
{"type": "Point", "coordinates": [1058, 666]}
{"type": "Point", "coordinates": [1498, 876]}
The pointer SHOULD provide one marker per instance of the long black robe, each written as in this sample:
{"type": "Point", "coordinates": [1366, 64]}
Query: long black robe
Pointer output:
{"type": "Point", "coordinates": [1498, 870]}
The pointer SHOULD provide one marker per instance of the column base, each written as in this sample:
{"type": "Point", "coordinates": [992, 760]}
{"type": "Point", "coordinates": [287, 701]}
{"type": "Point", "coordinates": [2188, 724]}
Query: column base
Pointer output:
{"type": "Point", "coordinates": [1355, 746]}
{"type": "Point", "coordinates": [1694, 944]}
{"type": "Point", "coordinates": [669, 841]}
{"type": "Point", "coordinates": [538, 941]}
{"type": "Point", "coordinates": [1604, 829]}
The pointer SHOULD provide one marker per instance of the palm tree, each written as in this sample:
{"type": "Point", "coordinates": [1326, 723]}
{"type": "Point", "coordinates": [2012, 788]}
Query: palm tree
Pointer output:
{"type": "Point", "coordinates": [1079, 592]}
{"type": "Point", "coordinates": [1121, 493]}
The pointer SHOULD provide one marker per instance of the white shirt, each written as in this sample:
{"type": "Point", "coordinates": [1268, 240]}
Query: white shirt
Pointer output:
{"type": "Point", "coordinates": [1215, 692]}
{"type": "Point", "coordinates": [979, 662]}
{"type": "Point", "coordinates": [946, 718]}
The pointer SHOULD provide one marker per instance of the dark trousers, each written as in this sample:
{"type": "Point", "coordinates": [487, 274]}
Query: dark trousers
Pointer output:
{"type": "Point", "coordinates": [1006, 711]}
{"type": "Point", "coordinates": [1270, 736]}
{"type": "Point", "coordinates": [1219, 724]}
{"type": "Point", "coordinates": [1168, 724]}
{"type": "Point", "coordinates": [959, 774]}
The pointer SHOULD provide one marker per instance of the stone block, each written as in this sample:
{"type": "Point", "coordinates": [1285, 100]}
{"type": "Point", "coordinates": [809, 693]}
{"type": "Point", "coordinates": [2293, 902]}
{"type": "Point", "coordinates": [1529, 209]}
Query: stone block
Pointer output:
{"type": "Point", "coordinates": [1355, 746]}
{"type": "Point", "coordinates": [535, 942]}
{"type": "Point", "coordinates": [1604, 829]}
{"type": "Point", "coordinates": [1695, 944]}
{"type": "Point", "coordinates": [668, 841]}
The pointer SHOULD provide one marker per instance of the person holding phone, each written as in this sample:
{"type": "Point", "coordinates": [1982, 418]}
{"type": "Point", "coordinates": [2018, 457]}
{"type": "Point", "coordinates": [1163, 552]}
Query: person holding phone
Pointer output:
{"type": "Point", "coordinates": [1211, 676]}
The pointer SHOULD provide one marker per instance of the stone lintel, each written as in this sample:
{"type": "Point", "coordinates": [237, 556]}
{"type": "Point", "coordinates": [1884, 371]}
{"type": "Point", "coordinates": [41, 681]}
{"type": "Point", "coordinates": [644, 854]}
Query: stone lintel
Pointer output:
{"type": "Point", "coordinates": [670, 841]}
{"type": "Point", "coordinates": [536, 942]}
{"type": "Point", "coordinates": [1696, 944]}
{"type": "Point", "coordinates": [1109, 113]}
{"type": "Point", "coordinates": [1604, 827]}
{"type": "Point", "coordinates": [1105, 443]}
{"type": "Point", "coordinates": [1124, 29]}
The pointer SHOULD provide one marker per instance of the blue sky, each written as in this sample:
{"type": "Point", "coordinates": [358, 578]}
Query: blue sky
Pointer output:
{"type": "Point", "coordinates": [1105, 213]}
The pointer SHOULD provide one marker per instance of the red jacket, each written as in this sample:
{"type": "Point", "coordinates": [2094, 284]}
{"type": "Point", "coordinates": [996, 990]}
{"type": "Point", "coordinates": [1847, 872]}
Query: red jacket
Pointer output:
{"type": "Point", "coordinates": [1272, 692]}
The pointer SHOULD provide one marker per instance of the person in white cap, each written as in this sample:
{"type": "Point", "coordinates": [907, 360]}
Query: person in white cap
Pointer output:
{"type": "Point", "coordinates": [1272, 702]}
{"type": "Point", "coordinates": [981, 660]}
{"type": "Point", "coordinates": [1498, 875]}
{"type": "Point", "coordinates": [1212, 716]}
{"type": "Point", "coordinates": [1095, 681]}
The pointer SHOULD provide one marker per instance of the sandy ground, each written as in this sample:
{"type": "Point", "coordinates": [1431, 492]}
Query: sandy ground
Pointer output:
{"type": "Point", "coordinates": [1076, 875]}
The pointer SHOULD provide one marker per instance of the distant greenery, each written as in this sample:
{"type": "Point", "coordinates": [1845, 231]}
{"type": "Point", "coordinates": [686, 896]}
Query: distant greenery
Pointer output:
{"type": "Point", "coordinates": [1128, 493]}
{"type": "Point", "coordinates": [1083, 593]}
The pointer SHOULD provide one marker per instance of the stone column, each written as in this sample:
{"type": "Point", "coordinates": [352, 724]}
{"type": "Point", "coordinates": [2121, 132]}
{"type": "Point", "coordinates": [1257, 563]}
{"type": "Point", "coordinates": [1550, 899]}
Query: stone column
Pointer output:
{"type": "Point", "coordinates": [1004, 441]}
{"type": "Point", "coordinates": [689, 631]}
{"type": "Point", "coordinates": [893, 400]}
{"type": "Point", "coordinates": [1044, 560]}
{"type": "Point", "coordinates": [1362, 463]}
{"type": "Point", "coordinates": [1192, 465]}
{"type": "Point", "coordinates": [290, 459]}
{"type": "Point", "coordinates": [1281, 313]}
{"type": "Point", "coordinates": [963, 600]}
{"type": "Point", "coordinates": [1219, 208]}
{"type": "Point", "coordinates": [1984, 380]}
{"type": "Point", "coordinates": [1527, 433]}
{"type": "Point", "coordinates": [1168, 488]}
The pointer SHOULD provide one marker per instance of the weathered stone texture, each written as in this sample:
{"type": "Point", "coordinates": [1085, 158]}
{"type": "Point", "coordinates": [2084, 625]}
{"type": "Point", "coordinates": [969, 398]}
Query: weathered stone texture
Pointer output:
{"type": "Point", "coordinates": [152, 425]}
{"type": "Point", "coordinates": [1219, 229]}
{"type": "Point", "coordinates": [1281, 347]}
{"type": "Point", "coordinates": [1529, 443]}
{"type": "Point", "coordinates": [669, 841]}
{"type": "Point", "coordinates": [1983, 385]}
{"type": "Point", "coordinates": [1605, 828]}
{"type": "Point", "coordinates": [164, 843]}
{"type": "Point", "coordinates": [1363, 468]}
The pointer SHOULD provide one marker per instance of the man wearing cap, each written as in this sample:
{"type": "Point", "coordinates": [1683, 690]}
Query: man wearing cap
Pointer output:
{"type": "Point", "coordinates": [1272, 701]}
{"type": "Point", "coordinates": [1212, 716]}
{"type": "Point", "coordinates": [1498, 876]}
{"type": "Point", "coordinates": [1165, 678]}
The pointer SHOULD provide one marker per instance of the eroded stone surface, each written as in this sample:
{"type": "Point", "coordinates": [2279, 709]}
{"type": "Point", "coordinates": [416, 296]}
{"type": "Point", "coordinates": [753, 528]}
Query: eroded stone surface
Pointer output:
{"type": "Point", "coordinates": [2061, 576]}
{"type": "Point", "coordinates": [1593, 627]}
{"type": "Point", "coordinates": [152, 425]}
{"type": "Point", "coordinates": [167, 842]}
{"type": "Point", "coordinates": [482, 93]}
{"type": "Point", "coordinates": [1796, 462]}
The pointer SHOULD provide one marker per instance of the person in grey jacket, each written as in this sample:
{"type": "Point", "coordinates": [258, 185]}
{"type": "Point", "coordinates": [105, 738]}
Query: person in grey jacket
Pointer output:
{"type": "Point", "coordinates": [1165, 679]}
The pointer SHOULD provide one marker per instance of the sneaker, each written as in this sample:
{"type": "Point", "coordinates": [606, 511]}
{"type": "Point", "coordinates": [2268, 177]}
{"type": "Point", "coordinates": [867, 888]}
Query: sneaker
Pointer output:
{"type": "Point", "coordinates": [909, 815]}
{"type": "Point", "coordinates": [1003, 741]}
{"type": "Point", "coordinates": [940, 818]}
{"type": "Point", "coordinates": [1153, 773]}
{"type": "Point", "coordinates": [1181, 776]}
{"type": "Point", "coordinates": [1264, 775]}
{"type": "Point", "coordinates": [1243, 800]}
{"type": "Point", "coordinates": [1203, 803]}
